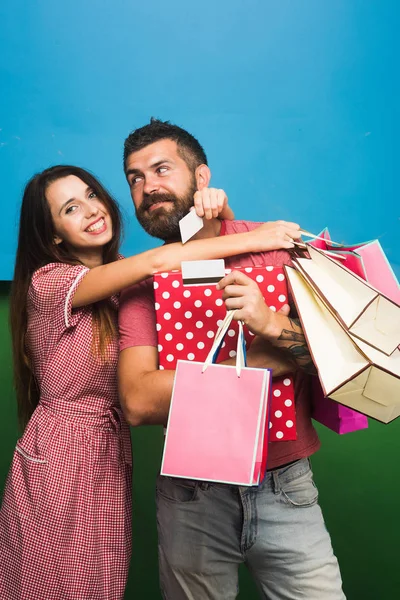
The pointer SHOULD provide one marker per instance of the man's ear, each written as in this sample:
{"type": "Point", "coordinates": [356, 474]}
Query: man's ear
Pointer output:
{"type": "Point", "coordinates": [203, 177]}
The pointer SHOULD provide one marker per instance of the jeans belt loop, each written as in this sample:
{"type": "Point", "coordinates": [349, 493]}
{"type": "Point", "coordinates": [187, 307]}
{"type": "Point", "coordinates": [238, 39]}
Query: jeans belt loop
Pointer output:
{"type": "Point", "coordinates": [276, 484]}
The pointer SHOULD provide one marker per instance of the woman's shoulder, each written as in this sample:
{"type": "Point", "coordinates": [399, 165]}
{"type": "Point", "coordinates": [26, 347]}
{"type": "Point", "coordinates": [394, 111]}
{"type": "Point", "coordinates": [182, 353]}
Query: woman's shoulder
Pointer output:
{"type": "Point", "coordinates": [58, 270]}
{"type": "Point", "coordinates": [52, 282]}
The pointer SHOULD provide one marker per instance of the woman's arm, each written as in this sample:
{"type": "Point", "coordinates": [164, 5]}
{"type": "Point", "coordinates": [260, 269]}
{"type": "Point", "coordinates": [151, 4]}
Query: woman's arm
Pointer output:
{"type": "Point", "coordinates": [104, 281]}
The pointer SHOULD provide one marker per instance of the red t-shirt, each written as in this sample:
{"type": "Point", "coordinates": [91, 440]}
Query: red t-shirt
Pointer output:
{"type": "Point", "coordinates": [137, 326]}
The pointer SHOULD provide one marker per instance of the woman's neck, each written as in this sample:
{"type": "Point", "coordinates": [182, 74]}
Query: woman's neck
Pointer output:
{"type": "Point", "coordinates": [90, 258]}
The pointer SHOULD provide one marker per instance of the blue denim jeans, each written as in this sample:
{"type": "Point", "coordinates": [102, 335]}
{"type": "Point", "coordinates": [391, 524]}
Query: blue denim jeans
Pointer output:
{"type": "Point", "coordinates": [206, 530]}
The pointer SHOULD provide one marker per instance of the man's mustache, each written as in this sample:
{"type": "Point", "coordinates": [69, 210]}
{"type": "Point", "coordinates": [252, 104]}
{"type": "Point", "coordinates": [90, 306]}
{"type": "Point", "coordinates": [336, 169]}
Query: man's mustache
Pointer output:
{"type": "Point", "coordinates": [155, 198]}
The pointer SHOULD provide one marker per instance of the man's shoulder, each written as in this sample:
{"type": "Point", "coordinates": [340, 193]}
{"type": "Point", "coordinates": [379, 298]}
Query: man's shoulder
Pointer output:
{"type": "Point", "coordinates": [275, 258]}
{"type": "Point", "coordinates": [138, 293]}
{"type": "Point", "coordinates": [240, 226]}
{"type": "Point", "coordinates": [137, 316]}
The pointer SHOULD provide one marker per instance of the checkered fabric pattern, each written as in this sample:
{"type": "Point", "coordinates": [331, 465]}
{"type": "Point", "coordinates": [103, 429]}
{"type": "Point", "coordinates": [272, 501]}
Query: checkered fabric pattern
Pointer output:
{"type": "Point", "coordinates": [65, 520]}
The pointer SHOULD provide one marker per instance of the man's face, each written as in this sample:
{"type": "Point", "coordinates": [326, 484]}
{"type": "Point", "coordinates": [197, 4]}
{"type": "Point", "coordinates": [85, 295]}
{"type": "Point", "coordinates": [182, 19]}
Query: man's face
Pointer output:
{"type": "Point", "coordinates": [162, 188]}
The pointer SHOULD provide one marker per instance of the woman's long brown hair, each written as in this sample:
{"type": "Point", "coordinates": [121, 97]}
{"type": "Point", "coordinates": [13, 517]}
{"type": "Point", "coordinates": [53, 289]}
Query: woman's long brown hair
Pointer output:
{"type": "Point", "coordinates": [36, 248]}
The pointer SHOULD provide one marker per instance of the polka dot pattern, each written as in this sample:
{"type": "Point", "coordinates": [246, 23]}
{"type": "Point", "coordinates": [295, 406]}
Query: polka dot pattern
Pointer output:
{"type": "Point", "coordinates": [282, 426]}
{"type": "Point", "coordinates": [188, 318]}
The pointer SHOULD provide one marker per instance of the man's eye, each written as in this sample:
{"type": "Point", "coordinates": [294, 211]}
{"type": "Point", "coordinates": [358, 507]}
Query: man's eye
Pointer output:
{"type": "Point", "coordinates": [135, 180]}
{"type": "Point", "coordinates": [162, 169]}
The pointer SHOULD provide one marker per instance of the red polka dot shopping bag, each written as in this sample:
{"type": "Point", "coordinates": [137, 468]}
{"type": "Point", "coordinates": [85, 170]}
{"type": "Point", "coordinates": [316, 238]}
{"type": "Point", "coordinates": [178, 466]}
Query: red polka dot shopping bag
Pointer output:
{"type": "Point", "coordinates": [188, 317]}
{"type": "Point", "coordinates": [216, 424]}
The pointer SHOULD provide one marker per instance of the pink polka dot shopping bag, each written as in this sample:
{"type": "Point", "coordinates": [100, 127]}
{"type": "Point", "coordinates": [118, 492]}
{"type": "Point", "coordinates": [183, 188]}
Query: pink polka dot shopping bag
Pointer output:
{"type": "Point", "coordinates": [188, 318]}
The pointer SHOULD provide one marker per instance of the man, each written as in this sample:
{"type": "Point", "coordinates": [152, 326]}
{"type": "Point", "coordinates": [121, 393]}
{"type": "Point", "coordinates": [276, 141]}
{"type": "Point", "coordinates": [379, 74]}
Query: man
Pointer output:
{"type": "Point", "coordinates": [206, 530]}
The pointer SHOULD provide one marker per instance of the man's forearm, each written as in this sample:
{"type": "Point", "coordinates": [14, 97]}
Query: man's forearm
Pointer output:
{"type": "Point", "coordinates": [146, 400]}
{"type": "Point", "coordinates": [263, 355]}
{"type": "Point", "coordinates": [145, 396]}
{"type": "Point", "coordinates": [243, 295]}
{"type": "Point", "coordinates": [288, 336]}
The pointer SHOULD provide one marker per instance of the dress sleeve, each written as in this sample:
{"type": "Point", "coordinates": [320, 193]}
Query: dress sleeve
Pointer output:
{"type": "Point", "coordinates": [52, 290]}
{"type": "Point", "coordinates": [137, 316]}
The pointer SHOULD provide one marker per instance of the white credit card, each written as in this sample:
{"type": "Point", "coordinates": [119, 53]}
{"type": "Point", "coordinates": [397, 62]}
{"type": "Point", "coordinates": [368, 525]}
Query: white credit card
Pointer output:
{"type": "Point", "coordinates": [190, 225]}
{"type": "Point", "coordinates": [202, 272]}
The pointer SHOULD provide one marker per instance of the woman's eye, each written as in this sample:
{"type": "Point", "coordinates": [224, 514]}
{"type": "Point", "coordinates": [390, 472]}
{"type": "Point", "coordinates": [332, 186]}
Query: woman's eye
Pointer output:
{"type": "Point", "coordinates": [70, 209]}
{"type": "Point", "coordinates": [92, 195]}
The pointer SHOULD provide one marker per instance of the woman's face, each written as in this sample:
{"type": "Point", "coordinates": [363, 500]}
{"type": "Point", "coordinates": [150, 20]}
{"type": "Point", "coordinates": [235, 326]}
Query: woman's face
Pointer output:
{"type": "Point", "coordinates": [80, 218]}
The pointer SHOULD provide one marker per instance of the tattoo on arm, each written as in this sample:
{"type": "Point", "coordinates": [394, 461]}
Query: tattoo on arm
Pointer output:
{"type": "Point", "coordinates": [295, 323]}
{"type": "Point", "coordinates": [295, 343]}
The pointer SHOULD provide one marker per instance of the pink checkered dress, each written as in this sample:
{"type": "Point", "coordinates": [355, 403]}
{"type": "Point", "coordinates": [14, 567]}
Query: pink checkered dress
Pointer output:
{"type": "Point", "coordinates": [65, 521]}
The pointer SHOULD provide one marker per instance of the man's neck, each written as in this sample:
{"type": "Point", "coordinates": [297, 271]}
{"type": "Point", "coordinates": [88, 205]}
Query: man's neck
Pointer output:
{"type": "Point", "coordinates": [211, 228]}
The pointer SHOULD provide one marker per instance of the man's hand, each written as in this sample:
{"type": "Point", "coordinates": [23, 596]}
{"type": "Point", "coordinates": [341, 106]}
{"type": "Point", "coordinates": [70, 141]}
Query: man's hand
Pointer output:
{"type": "Point", "coordinates": [210, 203]}
{"type": "Point", "coordinates": [243, 294]}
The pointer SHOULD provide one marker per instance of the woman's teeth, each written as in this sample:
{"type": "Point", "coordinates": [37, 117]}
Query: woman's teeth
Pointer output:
{"type": "Point", "coordinates": [96, 226]}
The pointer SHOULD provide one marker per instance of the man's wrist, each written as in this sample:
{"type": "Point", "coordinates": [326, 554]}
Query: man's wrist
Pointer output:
{"type": "Point", "coordinates": [275, 325]}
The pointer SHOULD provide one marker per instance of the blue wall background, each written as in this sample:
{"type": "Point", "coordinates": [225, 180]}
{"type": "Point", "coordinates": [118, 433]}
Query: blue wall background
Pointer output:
{"type": "Point", "coordinates": [297, 105]}
{"type": "Point", "coordinates": [296, 102]}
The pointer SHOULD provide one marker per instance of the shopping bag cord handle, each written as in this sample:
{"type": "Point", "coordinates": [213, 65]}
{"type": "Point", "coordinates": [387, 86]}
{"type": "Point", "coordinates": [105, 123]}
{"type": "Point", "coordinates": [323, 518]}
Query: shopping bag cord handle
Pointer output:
{"type": "Point", "coordinates": [317, 237]}
{"type": "Point", "coordinates": [219, 337]}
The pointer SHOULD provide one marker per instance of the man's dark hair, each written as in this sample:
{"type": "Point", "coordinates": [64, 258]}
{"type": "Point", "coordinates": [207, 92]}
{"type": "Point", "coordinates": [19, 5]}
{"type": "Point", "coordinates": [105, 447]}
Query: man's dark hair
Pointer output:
{"type": "Point", "coordinates": [188, 147]}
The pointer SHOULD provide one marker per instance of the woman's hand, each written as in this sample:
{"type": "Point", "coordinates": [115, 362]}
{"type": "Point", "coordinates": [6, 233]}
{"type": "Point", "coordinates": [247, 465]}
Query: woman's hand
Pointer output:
{"type": "Point", "coordinates": [275, 235]}
{"type": "Point", "coordinates": [210, 203]}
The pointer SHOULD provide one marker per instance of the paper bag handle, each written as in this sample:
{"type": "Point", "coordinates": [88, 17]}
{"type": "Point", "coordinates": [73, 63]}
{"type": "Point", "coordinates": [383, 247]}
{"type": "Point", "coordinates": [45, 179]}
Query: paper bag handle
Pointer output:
{"type": "Point", "coordinates": [317, 237]}
{"type": "Point", "coordinates": [303, 245]}
{"type": "Point", "coordinates": [219, 338]}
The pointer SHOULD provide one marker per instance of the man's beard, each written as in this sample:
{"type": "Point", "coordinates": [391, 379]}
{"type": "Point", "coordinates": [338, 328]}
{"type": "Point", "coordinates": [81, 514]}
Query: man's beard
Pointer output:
{"type": "Point", "coordinates": [164, 223]}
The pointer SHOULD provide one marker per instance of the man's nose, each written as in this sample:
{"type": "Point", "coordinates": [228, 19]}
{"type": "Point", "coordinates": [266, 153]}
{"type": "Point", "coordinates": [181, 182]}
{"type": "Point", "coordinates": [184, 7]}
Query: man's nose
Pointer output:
{"type": "Point", "coordinates": [151, 185]}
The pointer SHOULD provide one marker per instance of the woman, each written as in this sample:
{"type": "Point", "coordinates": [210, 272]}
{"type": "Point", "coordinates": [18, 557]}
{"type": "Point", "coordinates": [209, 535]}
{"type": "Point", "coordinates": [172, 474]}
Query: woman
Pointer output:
{"type": "Point", "coordinates": [65, 521]}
